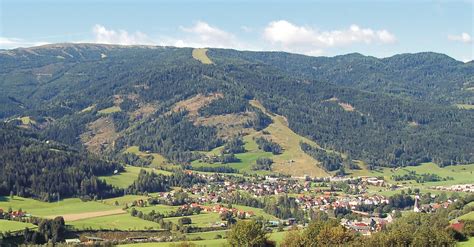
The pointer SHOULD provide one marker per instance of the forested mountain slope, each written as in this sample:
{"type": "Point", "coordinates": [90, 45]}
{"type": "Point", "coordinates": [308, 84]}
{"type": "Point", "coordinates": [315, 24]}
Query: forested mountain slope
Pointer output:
{"type": "Point", "coordinates": [421, 76]}
{"type": "Point", "coordinates": [48, 170]}
{"type": "Point", "coordinates": [387, 112]}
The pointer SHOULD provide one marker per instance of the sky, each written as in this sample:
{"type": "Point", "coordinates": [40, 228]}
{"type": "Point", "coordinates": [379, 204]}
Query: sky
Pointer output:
{"type": "Point", "coordinates": [318, 28]}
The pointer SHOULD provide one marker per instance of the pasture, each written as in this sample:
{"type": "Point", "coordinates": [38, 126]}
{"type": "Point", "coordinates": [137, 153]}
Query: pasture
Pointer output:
{"type": "Point", "coordinates": [163, 209]}
{"type": "Point", "coordinates": [200, 55]}
{"type": "Point", "coordinates": [293, 160]}
{"type": "Point", "coordinates": [46, 209]}
{"type": "Point", "coordinates": [126, 178]}
{"type": "Point", "coordinates": [13, 226]}
{"type": "Point", "coordinates": [110, 110]}
{"type": "Point", "coordinates": [158, 159]}
{"type": "Point", "coordinates": [122, 222]}
{"type": "Point", "coordinates": [199, 220]}
{"type": "Point", "coordinates": [465, 106]}
{"type": "Point", "coordinates": [461, 174]}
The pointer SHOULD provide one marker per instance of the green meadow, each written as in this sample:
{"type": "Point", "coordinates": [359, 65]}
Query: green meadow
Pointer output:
{"type": "Point", "coordinates": [275, 236]}
{"type": "Point", "coordinates": [461, 174]}
{"type": "Point", "coordinates": [13, 226]}
{"type": "Point", "coordinates": [158, 159]}
{"type": "Point", "coordinates": [66, 206]}
{"type": "Point", "coordinates": [163, 209]}
{"type": "Point", "coordinates": [247, 159]}
{"type": "Point", "coordinates": [199, 220]}
{"type": "Point", "coordinates": [122, 222]}
{"type": "Point", "coordinates": [110, 110]}
{"type": "Point", "coordinates": [126, 178]}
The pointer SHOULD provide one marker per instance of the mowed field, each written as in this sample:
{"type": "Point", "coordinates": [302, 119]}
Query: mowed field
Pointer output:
{"type": "Point", "coordinates": [61, 208]}
{"type": "Point", "coordinates": [120, 222]}
{"type": "Point", "coordinates": [13, 226]}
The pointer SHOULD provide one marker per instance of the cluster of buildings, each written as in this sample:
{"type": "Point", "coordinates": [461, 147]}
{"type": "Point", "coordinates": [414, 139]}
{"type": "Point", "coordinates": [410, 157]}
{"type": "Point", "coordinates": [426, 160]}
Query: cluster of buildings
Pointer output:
{"type": "Point", "coordinates": [18, 214]}
{"type": "Point", "coordinates": [330, 201]}
{"type": "Point", "coordinates": [456, 187]}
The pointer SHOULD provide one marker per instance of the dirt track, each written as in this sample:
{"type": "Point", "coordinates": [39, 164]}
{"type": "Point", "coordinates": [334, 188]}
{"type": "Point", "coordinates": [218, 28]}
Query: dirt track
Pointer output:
{"type": "Point", "coordinates": [81, 216]}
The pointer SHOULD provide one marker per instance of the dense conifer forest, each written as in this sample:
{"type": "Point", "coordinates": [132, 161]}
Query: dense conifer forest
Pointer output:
{"type": "Point", "coordinates": [391, 112]}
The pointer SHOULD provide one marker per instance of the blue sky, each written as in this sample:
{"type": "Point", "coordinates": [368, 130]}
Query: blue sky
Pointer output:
{"type": "Point", "coordinates": [327, 28]}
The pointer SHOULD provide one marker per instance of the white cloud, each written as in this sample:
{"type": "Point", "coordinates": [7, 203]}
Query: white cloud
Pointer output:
{"type": "Point", "coordinates": [204, 35]}
{"type": "Point", "coordinates": [306, 39]}
{"type": "Point", "coordinates": [11, 43]}
{"type": "Point", "coordinates": [464, 37]}
{"type": "Point", "coordinates": [121, 37]}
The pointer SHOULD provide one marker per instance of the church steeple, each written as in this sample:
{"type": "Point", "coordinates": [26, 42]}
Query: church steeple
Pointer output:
{"type": "Point", "coordinates": [416, 207]}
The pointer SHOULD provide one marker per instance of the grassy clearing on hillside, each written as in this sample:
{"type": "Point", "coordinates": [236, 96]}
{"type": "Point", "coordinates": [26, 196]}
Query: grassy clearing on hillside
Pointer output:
{"type": "Point", "coordinates": [45, 209]}
{"type": "Point", "coordinates": [126, 178]}
{"type": "Point", "coordinates": [88, 109]}
{"type": "Point", "coordinates": [110, 110]}
{"type": "Point", "coordinates": [26, 120]}
{"type": "Point", "coordinates": [465, 106]}
{"type": "Point", "coordinates": [247, 159]}
{"type": "Point", "coordinates": [13, 226]}
{"type": "Point", "coordinates": [293, 160]}
{"type": "Point", "coordinates": [120, 222]}
{"type": "Point", "coordinates": [200, 55]}
{"type": "Point", "coordinates": [158, 159]}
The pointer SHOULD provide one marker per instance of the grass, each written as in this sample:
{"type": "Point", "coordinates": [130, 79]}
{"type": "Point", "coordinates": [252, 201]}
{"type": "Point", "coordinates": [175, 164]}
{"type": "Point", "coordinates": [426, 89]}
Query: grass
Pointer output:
{"type": "Point", "coordinates": [468, 243]}
{"type": "Point", "coordinates": [26, 120]}
{"type": "Point", "coordinates": [88, 109]}
{"type": "Point", "coordinates": [164, 209]}
{"type": "Point", "coordinates": [247, 159]}
{"type": "Point", "coordinates": [200, 55]}
{"type": "Point", "coordinates": [66, 206]}
{"type": "Point", "coordinates": [257, 212]}
{"type": "Point", "coordinates": [468, 216]}
{"type": "Point", "coordinates": [13, 226]}
{"type": "Point", "coordinates": [293, 160]}
{"type": "Point", "coordinates": [126, 178]}
{"type": "Point", "coordinates": [110, 110]}
{"type": "Point", "coordinates": [122, 222]}
{"type": "Point", "coordinates": [123, 200]}
{"type": "Point", "coordinates": [461, 174]}
{"type": "Point", "coordinates": [158, 159]}
{"type": "Point", "coordinates": [200, 220]}
{"type": "Point", "coordinates": [207, 243]}
{"type": "Point", "coordinates": [275, 236]}
{"type": "Point", "coordinates": [465, 106]}
{"type": "Point", "coordinates": [206, 235]}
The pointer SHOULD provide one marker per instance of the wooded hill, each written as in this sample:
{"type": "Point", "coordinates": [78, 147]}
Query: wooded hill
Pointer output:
{"type": "Point", "coordinates": [392, 112]}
